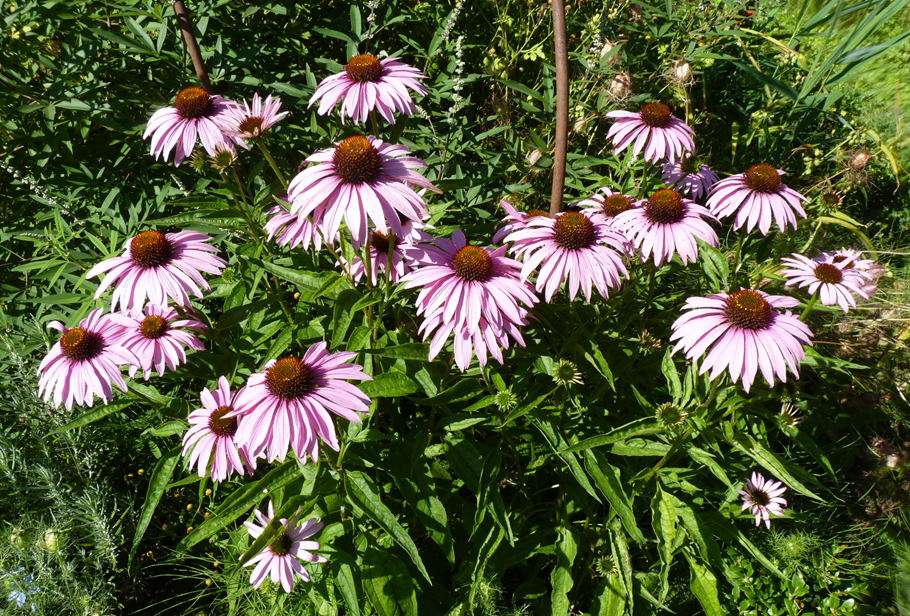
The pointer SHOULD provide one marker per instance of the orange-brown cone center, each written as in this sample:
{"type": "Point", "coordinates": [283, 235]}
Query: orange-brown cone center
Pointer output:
{"type": "Point", "coordinates": [193, 103]}
{"type": "Point", "coordinates": [656, 115]}
{"type": "Point", "coordinates": [665, 207]}
{"type": "Point", "coordinates": [153, 327]}
{"type": "Point", "coordinates": [535, 213]}
{"type": "Point", "coordinates": [828, 273]}
{"type": "Point", "coordinates": [382, 241]}
{"type": "Point", "coordinates": [748, 310]}
{"type": "Point", "coordinates": [574, 231]}
{"type": "Point", "coordinates": [357, 161]}
{"type": "Point", "coordinates": [252, 126]}
{"type": "Point", "coordinates": [221, 425]}
{"type": "Point", "coordinates": [473, 263]}
{"type": "Point", "coordinates": [616, 204]}
{"type": "Point", "coordinates": [151, 249]}
{"type": "Point", "coordinates": [79, 344]}
{"type": "Point", "coordinates": [290, 378]}
{"type": "Point", "coordinates": [760, 498]}
{"type": "Point", "coordinates": [282, 545]}
{"type": "Point", "coordinates": [762, 178]}
{"type": "Point", "coordinates": [363, 68]}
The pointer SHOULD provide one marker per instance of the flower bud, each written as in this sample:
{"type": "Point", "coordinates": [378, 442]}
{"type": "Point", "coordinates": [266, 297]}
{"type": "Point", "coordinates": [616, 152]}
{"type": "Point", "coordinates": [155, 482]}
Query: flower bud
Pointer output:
{"type": "Point", "coordinates": [533, 157]}
{"type": "Point", "coordinates": [621, 86]}
{"type": "Point", "coordinates": [51, 541]}
{"type": "Point", "coordinates": [682, 71]}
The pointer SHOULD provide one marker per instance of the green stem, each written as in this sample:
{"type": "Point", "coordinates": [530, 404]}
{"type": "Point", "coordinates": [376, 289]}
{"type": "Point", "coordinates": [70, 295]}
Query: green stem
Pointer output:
{"type": "Point", "coordinates": [375, 123]}
{"type": "Point", "coordinates": [809, 308]}
{"type": "Point", "coordinates": [242, 204]}
{"type": "Point", "coordinates": [737, 258]}
{"type": "Point", "coordinates": [275, 168]}
{"type": "Point", "coordinates": [651, 274]}
{"type": "Point", "coordinates": [811, 239]}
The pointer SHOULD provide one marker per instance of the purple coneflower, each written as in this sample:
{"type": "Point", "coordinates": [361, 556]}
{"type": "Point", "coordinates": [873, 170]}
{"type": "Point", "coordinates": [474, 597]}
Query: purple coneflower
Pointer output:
{"type": "Point", "coordinates": [609, 204]}
{"type": "Point", "coordinates": [689, 177]}
{"type": "Point", "coordinates": [212, 432]}
{"type": "Point", "coordinates": [280, 558]}
{"type": "Point", "coordinates": [846, 258]}
{"type": "Point", "coordinates": [158, 265]}
{"type": "Point", "coordinates": [380, 246]}
{"type": "Point", "coordinates": [84, 362]}
{"type": "Point", "coordinates": [293, 229]}
{"type": "Point", "coordinates": [365, 182]}
{"type": "Point", "coordinates": [246, 122]}
{"type": "Point", "coordinates": [513, 220]}
{"type": "Point", "coordinates": [472, 292]}
{"type": "Point", "coordinates": [369, 83]}
{"type": "Point", "coordinates": [762, 496]}
{"type": "Point", "coordinates": [156, 338]}
{"type": "Point", "coordinates": [195, 115]}
{"type": "Point", "coordinates": [745, 333]}
{"type": "Point", "coordinates": [834, 283]}
{"type": "Point", "coordinates": [666, 224]}
{"type": "Point", "coordinates": [580, 247]}
{"type": "Point", "coordinates": [654, 128]}
{"type": "Point", "coordinates": [287, 404]}
{"type": "Point", "coordinates": [755, 197]}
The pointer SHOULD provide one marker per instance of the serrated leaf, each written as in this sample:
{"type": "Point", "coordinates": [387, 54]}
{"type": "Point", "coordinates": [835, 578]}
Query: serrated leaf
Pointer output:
{"type": "Point", "coordinates": [161, 476]}
{"type": "Point", "coordinates": [91, 417]}
{"type": "Point", "coordinates": [663, 521]}
{"type": "Point", "coordinates": [169, 429]}
{"type": "Point", "coordinates": [361, 488]}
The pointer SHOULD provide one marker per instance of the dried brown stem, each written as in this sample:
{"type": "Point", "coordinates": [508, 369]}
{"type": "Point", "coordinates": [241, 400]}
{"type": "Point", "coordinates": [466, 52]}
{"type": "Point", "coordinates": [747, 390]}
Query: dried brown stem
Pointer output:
{"type": "Point", "coordinates": [562, 106]}
{"type": "Point", "coordinates": [186, 25]}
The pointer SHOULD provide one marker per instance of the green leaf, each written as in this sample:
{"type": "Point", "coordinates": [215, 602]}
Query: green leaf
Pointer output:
{"type": "Point", "coordinates": [309, 281]}
{"type": "Point", "coordinates": [139, 31]}
{"type": "Point", "coordinates": [149, 393]}
{"type": "Point", "coordinates": [608, 481]}
{"type": "Point", "coordinates": [343, 315]}
{"type": "Point", "coordinates": [704, 586]}
{"type": "Point", "coordinates": [365, 493]}
{"type": "Point", "coordinates": [714, 264]}
{"type": "Point", "coordinates": [561, 578]}
{"type": "Point", "coordinates": [623, 559]}
{"type": "Point", "coordinates": [240, 502]}
{"type": "Point", "coordinates": [462, 390]}
{"type": "Point", "coordinates": [663, 521]}
{"type": "Point", "coordinates": [640, 427]}
{"type": "Point", "coordinates": [806, 442]}
{"type": "Point", "coordinates": [527, 408]}
{"type": "Point", "coordinates": [417, 351]}
{"type": "Point", "coordinates": [700, 533]}
{"type": "Point", "coordinates": [549, 430]}
{"type": "Point", "coordinates": [668, 367]}
{"type": "Point", "coordinates": [275, 527]}
{"type": "Point", "coordinates": [471, 466]}
{"type": "Point", "coordinates": [170, 428]}
{"type": "Point", "coordinates": [779, 86]}
{"type": "Point", "coordinates": [237, 315]}
{"type": "Point", "coordinates": [523, 89]}
{"type": "Point", "coordinates": [347, 585]}
{"type": "Point", "coordinates": [389, 385]}
{"type": "Point", "coordinates": [91, 417]}
{"type": "Point", "coordinates": [596, 359]}
{"type": "Point", "coordinates": [610, 597]}
{"type": "Point", "coordinates": [161, 476]}
{"type": "Point", "coordinates": [387, 583]}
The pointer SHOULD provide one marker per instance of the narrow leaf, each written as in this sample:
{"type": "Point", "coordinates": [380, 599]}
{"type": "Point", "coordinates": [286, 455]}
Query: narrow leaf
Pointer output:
{"type": "Point", "coordinates": [91, 417]}
{"type": "Point", "coordinates": [161, 476]}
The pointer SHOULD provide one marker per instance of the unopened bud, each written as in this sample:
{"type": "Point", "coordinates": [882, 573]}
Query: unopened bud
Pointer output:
{"type": "Point", "coordinates": [682, 71]}
{"type": "Point", "coordinates": [621, 86]}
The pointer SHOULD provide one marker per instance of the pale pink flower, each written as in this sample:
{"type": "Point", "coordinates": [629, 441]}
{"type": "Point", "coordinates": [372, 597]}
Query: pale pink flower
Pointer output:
{"type": "Point", "coordinates": [380, 245]}
{"type": "Point", "coordinates": [852, 259]}
{"type": "Point", "coordinates": [756, 196]}
{"type": "Point", "coordinates": [689, 177]}
{"type": "Point", "coordinates": [745, 333]}
{"type": "Point", "coordinates": [513, 220]}
{"type": "Point", "coordinates": [368, 83]}
{"type": "Point", "coordinates": [654, 129]}
{"type": "Point", "coordinates": [607, 202]}
{"type": "Point", "coordinates": [834, 283]}
{"type": "Point", "coordinates": [194, 116]}
{"type": "Point", "coordinates": [287, 404]}
{"type": "Point", "coordinates": [763, 497]}
{"type": "Point", "coordinates": [248, 122]}
{"type": "Point", "coordinates": [159, 266]}
{"type": "Point", "coordinates": [211, 432]}
{"type": "Point", "coordinates": [363, 181]}
{"type": "Point", "coordinates": [579, 247]}
{"type": "Point", "coordinates": [666, 224]}
{"type": "Point", "coordinates": [83, 363]}
{"type": "Point", "coordinates": [471, 292]}
{"type": "Point", "coordinates": [280, 559]}
{"type": "Point", "coordinates": [156, 338]}
{"type": "Point", "coordinates": [294, 230]}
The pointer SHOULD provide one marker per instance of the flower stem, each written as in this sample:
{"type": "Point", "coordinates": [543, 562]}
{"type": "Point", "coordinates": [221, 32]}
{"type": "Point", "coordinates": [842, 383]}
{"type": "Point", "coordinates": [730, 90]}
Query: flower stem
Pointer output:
{"type": "Point", "coordinates": [374, 123]}
{"type": "Point", "coordinates": [242, 204]}
{"type": "Point", "coordinates": [737, 258]}
{"type": "Point", "coordinates": [809, 308]}
{"type": "Point", "coordinates": [275, 168]}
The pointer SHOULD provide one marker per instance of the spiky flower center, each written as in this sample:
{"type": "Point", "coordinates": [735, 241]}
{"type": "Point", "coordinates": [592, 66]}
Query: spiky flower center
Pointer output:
{"type": "Point", "coordinates": [671, 415]}
{"type": "Point", "coordinates": [80, 344]}
{"type": "Point", "coordinates": [473, 264]}
{"type": "Point", "coordinates": [535, 213]}
{"type": "Point", "coordinates": [841, 259]}
{"type": "Point", "coordinates": [665, 207]}
{"type": "Point", "coordinates": [616, 204]}
{"type": "Point", "coordinates": [221, 425]}
{"type": "Point", "coordinates": [762, 178]}
{"type": "Point", "coordinates": [193, 103]}
{"type": "Point", "coordinates": [282, 545]}
{"type": "Point", "coordinates": [252, 126]}
{"type": "Point", "coordinates": [363, 68]}
{"type": "Point", "coordinates": [828, 273]}
{"type": "Point", "coordinates": [574, 231]}
{"type": "Point", "coordinates": [690, 165]}
{"type": "Point", "coordinates": [831, 198]}
{"type": "Point", "coordinates": [357, 161]}
{"type": "Point", "coordinates": [153, 327]}
{"type": "Point", "coordinates": [151, 249]}
{"type": "Point", "coordinates": [656, 115]}
{"type": "Point", "coordinates": [290, 378]}
{"type": "Point", "coordinates": [759, 497]}
{"type": "Point", "coordinates": [748, 310]}
{"type": "Point", "coordinates": [383, 241]}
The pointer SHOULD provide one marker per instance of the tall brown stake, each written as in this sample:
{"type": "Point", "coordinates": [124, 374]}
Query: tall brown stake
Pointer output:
{"type": "Point", "coordinates": [562, 105]}
{"type": "Point", "coordinates": [183, 18]}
